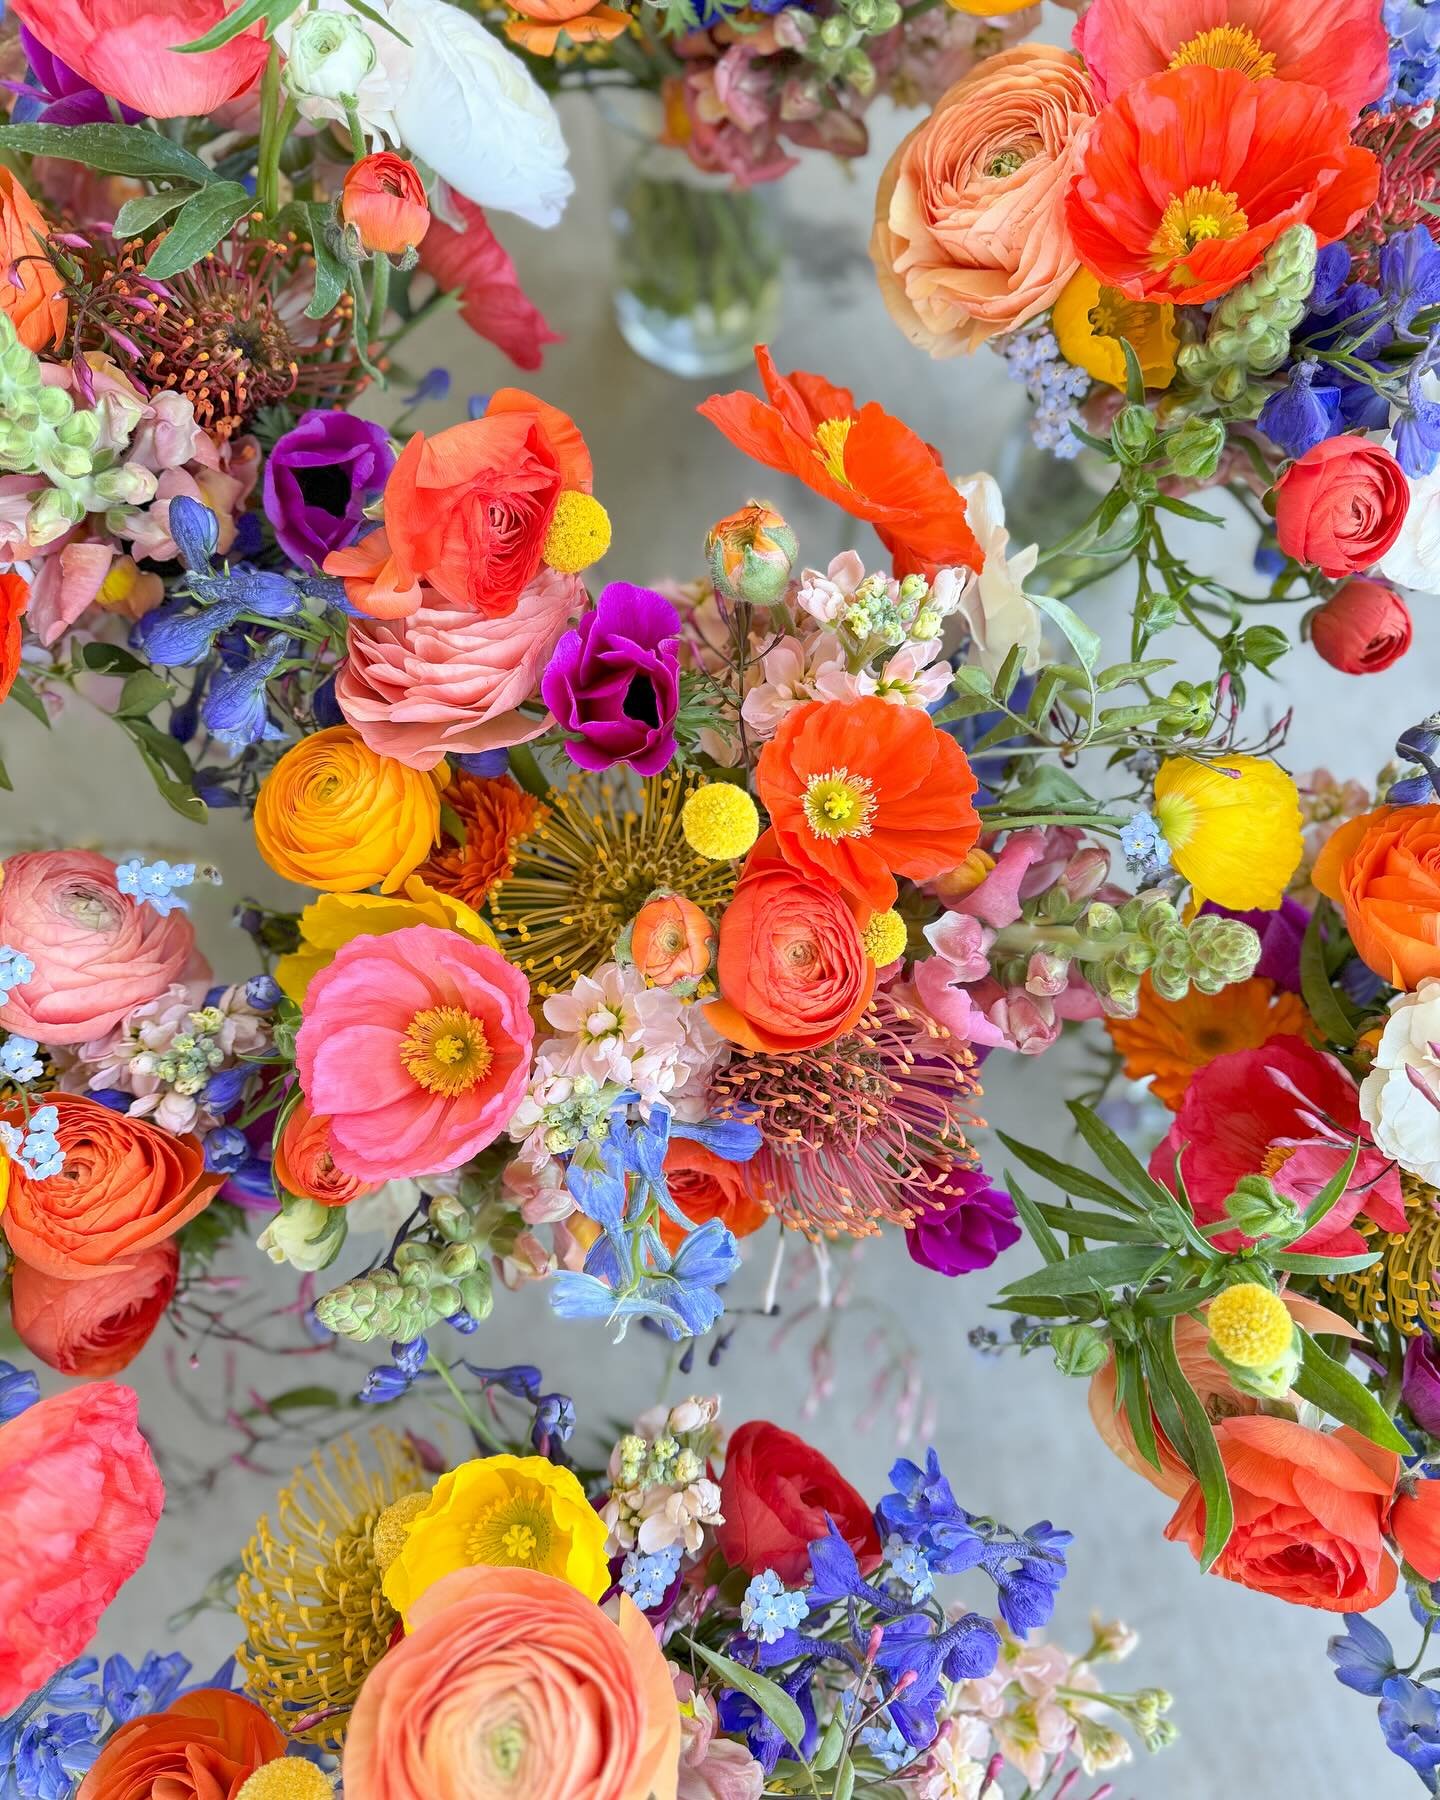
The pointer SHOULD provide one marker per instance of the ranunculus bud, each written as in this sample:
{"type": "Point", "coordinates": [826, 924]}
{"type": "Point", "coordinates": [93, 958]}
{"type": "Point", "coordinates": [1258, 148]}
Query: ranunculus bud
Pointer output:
{"type": "Point", "coordinates": [1420, 1388]}
{"type": "Point", "coordinates": [1362, 628]}
{"type": "Point", "coordinates": [331, 53]}
{"type": "Point", "coordinates": [1079, 1349]}
{"type": "Point", "coordinates": [671, 942]}
{"type": "Point", "coordinates": [384, 199]}
{"type": "Point", "coordinates": [751, 555]}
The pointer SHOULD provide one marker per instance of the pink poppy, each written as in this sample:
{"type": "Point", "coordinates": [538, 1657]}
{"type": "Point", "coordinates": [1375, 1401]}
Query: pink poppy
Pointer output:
{"type": "Point", "coordinates": [1341, 47]}
{"type": "Point", "coordinates": [416, 1047]}
{"type": "Point", "coordinates": [1287, 1111]}
{"type": "Point", "coordinates": [492, 302]}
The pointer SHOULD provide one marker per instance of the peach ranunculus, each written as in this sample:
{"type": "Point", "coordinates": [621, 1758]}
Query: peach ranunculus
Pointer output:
{"type": "Point", "coordinates": [526, 1684]}
{"type": "Point", "coordinates": [96, 952]}
{"type": "Point", "coordinates": [1383, 870]}
{"type": "Point", "coordinates": [93, 1327]}
{"type": "Point", "coordinates": [671, 942]}
{"type": "Point", "coordinates": [970, 236]}
{"type": "Point", "coordinates": [33, 293]}
{"type": "Point", "coordinates": [704, 1186]}
{"type": "Point", "coordinates": [204, 1746]}
{"type": "Point", "coordinates": [125, 1186]}
{"type": "Point", "coordinates": [81, 1497]}
{"type": "Point", "coordinates": [303, 1163]}
{"type": "Point", "coordinates": [449, 681]}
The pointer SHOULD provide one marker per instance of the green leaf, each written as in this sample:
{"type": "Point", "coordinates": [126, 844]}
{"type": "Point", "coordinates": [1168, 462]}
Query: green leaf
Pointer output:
{"type": "Point", "coordinates": [199, 226]}
{"type": "Point", "coordinates": [169, 768]}
{"type": "Point", "coordinates": [1009, 672]}
{"type": "Point", "coordinates": [274, 12]}
{"type": "Point", "coordinates": [114, 149]}
{"type": "Point", "coordinates": [7, 786]}
{"type": "Point", "coordinates": [1031, 1217]}
{"type": "Point", "coordinates": [1300, 1262]}
{"type": "Point", "coordinates": [1121, 1162]}
{"type": "Point", "coordinates": [1177, 1302]}
{"type": "Point", "coordinates": [1120, 674]}
{"type": "Point", "coordinates": [330, 272]}
{"type": "Point", "coordinates": [971, 679]}
{"type": "Point", "coordinates": [1130, 1390]}
{"type": "Point", "coordinates": [109, 659]}
{"type": "Point", "coordinates": [1118, 1266]}
{"type": "Point", "coordinates": [844, 1780]}
{"type": "Point", "coordinates": [142, 693]}
{"type": "Point", "coordinates": [773, 1701]}
{"type": "Point", "coordinates": [1167, 1408]}
{"type": "Point", "coordinates": [1184, 510]}
{"type": "Point", "coordinates": [1134, 374]}
{"type": "Point", "coordinates": [1208, 1466]}
{"type": "Point", "coordinates": [1077, 1221]}
{"type": "Point", "coordinates": [1326, 1007]}
{"type": "Point", "coordinates": [1040, 1308]}
{"type": "Point", "coordinates": [28, 700]}
{"type": "Point", "coordinates": [1069, 1180]}
{"type": "Point", "coordinates": [296, 1400]}
{"type": "Point", "coordinates": [1330, 1386]}
{"type": "Point", "coordinates": [137, 216]}
{"type": "Point", "coordinates": [1084, 641]}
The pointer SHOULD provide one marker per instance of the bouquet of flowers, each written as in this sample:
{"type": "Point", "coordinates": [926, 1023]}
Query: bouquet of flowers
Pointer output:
{"type": "Point", "coordinates": [1251, 309]}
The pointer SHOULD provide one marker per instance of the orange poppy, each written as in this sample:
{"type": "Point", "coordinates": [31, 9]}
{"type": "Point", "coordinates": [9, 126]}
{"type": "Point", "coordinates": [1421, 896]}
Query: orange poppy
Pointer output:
{"type": "Point", "coordinates": [1188, 177]}
{"type": "Point", "coordinates": [869, 464]}
{"type": "Point", "coordinates": [543, 23]}
{"type": "Point", "coordinates": [859, 791]}
{"type": "Point", "coordinates": [14, 598]}
{"type": "Point", "coordinates": [1168, 1040]}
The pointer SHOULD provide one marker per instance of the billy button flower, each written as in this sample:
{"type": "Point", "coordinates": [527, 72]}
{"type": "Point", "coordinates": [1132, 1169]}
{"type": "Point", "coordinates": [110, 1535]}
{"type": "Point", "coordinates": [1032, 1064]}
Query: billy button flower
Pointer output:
{"type": "Point", "coordinates": [1254, 1339]}
{"type": "Point", "coordinates": [383, 204]}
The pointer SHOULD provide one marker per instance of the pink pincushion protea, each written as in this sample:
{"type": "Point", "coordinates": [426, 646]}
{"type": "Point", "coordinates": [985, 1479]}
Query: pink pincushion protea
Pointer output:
{"type": "Point", "coordinates": [416, 1047]}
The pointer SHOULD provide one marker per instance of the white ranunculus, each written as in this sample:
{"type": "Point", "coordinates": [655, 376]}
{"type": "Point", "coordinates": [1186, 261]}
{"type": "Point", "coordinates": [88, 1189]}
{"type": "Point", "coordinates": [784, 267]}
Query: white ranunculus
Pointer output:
{"type": "Point", "coordinates": [994, 605]}
{"type": "Point", "coordinates": [323, 53]}
{"type": "Point", "coordinates": [473, 113]}
{"type": "Point", "coordinates": [1413, 560]}
{"type": "Point", "coordinates": [1400, 1097]}
{"type": "Point", "coordinates": [330, 55]}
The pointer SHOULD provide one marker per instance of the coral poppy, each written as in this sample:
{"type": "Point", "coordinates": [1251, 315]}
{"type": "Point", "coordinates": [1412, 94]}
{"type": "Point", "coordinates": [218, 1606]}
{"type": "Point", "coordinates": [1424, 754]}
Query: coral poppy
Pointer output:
{"type": "Point", "coordinates": [493, 304]}
{"type": "Point", "coordinates": [1169, 1040]}
{"type": "Point", "coordinates": [1187, 179]}
{"type": "Point", "coordinates": [860, 458]}
{"type": "Point", "coordinates": [14, 598]}
{"type": "Point", "coordinates": [859, 792]}
{"type": "Point", "coordinates": [1341, 47]}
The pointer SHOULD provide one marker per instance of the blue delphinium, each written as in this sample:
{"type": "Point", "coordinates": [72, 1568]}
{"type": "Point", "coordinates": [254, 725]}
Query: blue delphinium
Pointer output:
{"type": "Point", "coordinates": [765, 1741]}
{"type": "Point", "coordinates": [53, 1737]}
{"type": "Point", "coordinates": [1410, 1721]}
{"type": "Point", "coordinates": [1303, 413]}
{"type": "Point", "coordinates": [1362, 1656]}
{"type": "Point", "coordinates": [18, 1389]}
{"type": "Point", "coordinates": [1414, 28]}
{"type": "Point", "coordinates": [236, 711]}
{"type": "Point", "coordinates": [1419, 747]}
{"type": "Point", "coordinates": [182, 632]}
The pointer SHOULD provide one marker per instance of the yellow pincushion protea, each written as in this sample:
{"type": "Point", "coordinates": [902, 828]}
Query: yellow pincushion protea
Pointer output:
{"type": "Point", "coordinates": [1233, 827]}
{"type": "Point", "coordinates": [509, 1512]}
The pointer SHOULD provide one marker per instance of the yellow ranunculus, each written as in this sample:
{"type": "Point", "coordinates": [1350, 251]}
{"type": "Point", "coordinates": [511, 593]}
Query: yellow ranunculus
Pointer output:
{"type": "Point", "coordinates": [334, 919]}
{"type": "Point", "coordinates": [1089, 322]}
{"type": "Point", "coordinates": [510, 1512]}
{"type": "Point", "coordinates": [334, 815]}
{"type": "Point", "coordinates": [1233, 827]}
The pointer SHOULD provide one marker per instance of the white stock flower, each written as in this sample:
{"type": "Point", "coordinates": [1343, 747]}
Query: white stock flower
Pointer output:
{"type": "Point", "coordinates": [994, 605]}
{"type": "Point", "coordinates": [1400, 1097]}
{"type": "Point", "coordinates": [304, 1234]}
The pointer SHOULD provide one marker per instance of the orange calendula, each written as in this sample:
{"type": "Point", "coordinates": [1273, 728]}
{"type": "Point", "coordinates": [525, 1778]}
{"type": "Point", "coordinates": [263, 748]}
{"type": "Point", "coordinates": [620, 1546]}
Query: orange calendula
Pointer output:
{"type": "Point", "coordinates": [1169, 1040]}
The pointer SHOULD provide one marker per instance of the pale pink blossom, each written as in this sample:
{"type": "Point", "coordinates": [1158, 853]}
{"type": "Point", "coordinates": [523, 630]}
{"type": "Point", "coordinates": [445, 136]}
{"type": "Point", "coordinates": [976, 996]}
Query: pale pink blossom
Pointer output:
{"type": "Point", "coordinates": [614, 1029]}
{"type": "Point", "coordinates": [825, 597]}
{"type": "Point", "coordinates": [711, 1767]}
{"type": "Point", "coordinates": [794, 671]}
{"type": "Point", "coordinates": [913, 676]}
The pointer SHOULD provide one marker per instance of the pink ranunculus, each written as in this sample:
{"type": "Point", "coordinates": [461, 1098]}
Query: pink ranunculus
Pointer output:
{"type": "Point", "coordinates": [96, 952]}
{"type": "Point", "coordinates": [446, 681]}
{"type": "Point", "coordinates": [416, 1047]}
{"type": "Point", "coordinates": [80, 1496]}
{"type": "Point", "coordinates": [94, 1327]}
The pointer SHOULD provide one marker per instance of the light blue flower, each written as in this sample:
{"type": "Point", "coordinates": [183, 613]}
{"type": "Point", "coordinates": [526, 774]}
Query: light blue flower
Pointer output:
{"type": "Point", "coordinates": [17, 1058]}
{"type": "Point", "coordinates": [35, 1146]}
{"type": "Point", "coordinates": [15, 970]}
{"type": "Point", "coordinates": [155, 884]}
{"type": "Point", "coordinates": [769, 1609]}
{"type": "Point", "coordinates": [647, 1579]}
{"type": "Point", "coordinates": [1144, 843]}
{"type": "Point", "coordinates": [908, 1566]}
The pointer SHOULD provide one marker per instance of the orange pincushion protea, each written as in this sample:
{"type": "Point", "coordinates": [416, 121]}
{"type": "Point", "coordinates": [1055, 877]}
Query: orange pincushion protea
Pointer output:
{"type": "Point", "coordinates": [497, 815]}
{"type": "Point", "coordinates": [1168, 1040]}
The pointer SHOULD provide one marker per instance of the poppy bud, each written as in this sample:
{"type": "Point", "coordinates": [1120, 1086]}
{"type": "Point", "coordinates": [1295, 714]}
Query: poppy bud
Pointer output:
{"type": "Point", "coordinates": [384, 199]}
{"type": "Point", "coordinates": [1362, 628]}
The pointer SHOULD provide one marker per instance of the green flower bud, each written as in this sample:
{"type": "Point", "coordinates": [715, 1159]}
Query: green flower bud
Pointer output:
{"type": "Point", "coordinates": [79, 431]}
{"type": "Point", "coordinates": [452, 1219]}
{"type": "Point", "coordinates": [304, 1234]}
{"type": "Point", "coordinates": [129, 485]}
{"type": "Point", "coordinates": [835, 32]}
{"type": "Point", "coordinates": [1249, 330]}
{"type": "Point", "coordinates": [1194, 448]}
{"type": "Point", "coordinates": [1099, 923]}
{"type": "Point", "coordinates": [751, 555]}
{"type": "Point", "coordinates": [477, 1293]}
{"type": "Point", "coordinates": [1079, 1349]}
{"type": "Point", "coordinates": [55, 405]}
{"type": "Point", "coordinates": [1133, 435]}
{"type": "Point", "coordinates": [52, 515]}
{"type": "Point", "coordinates": [458, 1260]}
{"type": "Point", "coordinates": [1228, 948]}
{"type": "Point", "coordinates": [1259, 1210]}
{"type": "Point", "coordinates": [1191, 706]}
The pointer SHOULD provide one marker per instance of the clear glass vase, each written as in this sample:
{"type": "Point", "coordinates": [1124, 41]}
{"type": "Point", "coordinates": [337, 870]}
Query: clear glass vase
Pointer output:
{"type": "Point", "coordinates": [697, 260]}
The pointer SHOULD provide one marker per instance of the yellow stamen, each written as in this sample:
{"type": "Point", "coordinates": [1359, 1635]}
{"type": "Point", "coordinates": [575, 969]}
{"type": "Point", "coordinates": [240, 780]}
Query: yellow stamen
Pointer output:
{"type": "Point", "coordinates": [838, 804]}
{"type": "Point", "coordinates": [1227, 47]}
{"type": "Point", "coordinates": [830, 436]}
{"type": "Point", "coordinates": [1114, 316]}
{"type": "Point", "coordinates": [1199, 215]}
{"type": "Point", "coordinates": [445, 1050]}
{"type": "Point", "coordinates": [514, 1534]}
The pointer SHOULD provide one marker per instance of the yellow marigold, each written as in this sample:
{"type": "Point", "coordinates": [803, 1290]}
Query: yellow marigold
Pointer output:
{"type": "Point", "coordinates": [720, 821]}
{"type": "Point", "coordinates": [287, 1778]}
{"type": "Point", "coordinates": [885, 938]}
{"type": "Point", "coordinates": [333, 815]}
{"type": "Point", "coordinates": [579, 533]}
{"type": "Point", "coordinates": [1170, 1040]}
{"type": "Point", "coordinates": [334, 919]}
{"type": "Point", "coordinates": [1090, 320]}
{"type": "Point", "coordinates": [1233, 827]}
{"type": "Point", "coordinates": [509, 1512]}
{"type": "Point", "coordinates": [1250, 1325]}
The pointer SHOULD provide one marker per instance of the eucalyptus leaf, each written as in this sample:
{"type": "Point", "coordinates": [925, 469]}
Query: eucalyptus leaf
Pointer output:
{"type": "Point", "coordinates": [773, 1701]}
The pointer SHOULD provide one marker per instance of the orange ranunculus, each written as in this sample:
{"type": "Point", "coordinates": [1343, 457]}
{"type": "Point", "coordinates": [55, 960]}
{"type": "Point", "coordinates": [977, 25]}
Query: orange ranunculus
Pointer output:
{"type": "Point", "coordinates": [125, 1186]}
{"type": "Point", "coordinates": [792, 969]}
{"type": "Point", "coordinates": [525, 1684]}
{"type": "Point", "coordinates": [970, 235]}
{"type": "Point", "coordinates": [705, 1186]}
{"type": "Point", "coordinates": [1415, 1524]}
{"type": "Point", "coordinates": [1187, 179]}
{"type": "Point", "coordinates": [859, 792]}
{"type": "Point", "coordinates": [32, 293]}
{"type": "Point", "coordinates": [202, 1747]}
{"type": "Point", "coordinates": [1168, 1040]}
{"type": "Point", "coordinates": [468, 510]}
{"type": "Point", "coordinates": [384, 199]}
{"type": "Point", "coordinates": [1310, 1514]}
{"type": "Point", "coordinates": [94, 1327]}
{"type": "Point", "coordinates": [860, 458]}
{"type": "Point", "coordinates": [671, 941]}
{"type": "Point", "coordinates": [14, 598]}
{"type": "Point", "coordinates": [303, 1163]}
{"type": "Point", "coordinates": [1383, 869]}
{"type": "Point", "coordinates": [542, 23]}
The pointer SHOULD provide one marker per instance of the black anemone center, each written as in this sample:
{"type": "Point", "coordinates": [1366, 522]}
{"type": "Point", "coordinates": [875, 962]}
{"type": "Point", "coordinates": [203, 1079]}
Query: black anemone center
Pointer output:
{"type": "Point", "coordinates": [640, 701]}
{"type": "Point", "coordinates": [326, 488]}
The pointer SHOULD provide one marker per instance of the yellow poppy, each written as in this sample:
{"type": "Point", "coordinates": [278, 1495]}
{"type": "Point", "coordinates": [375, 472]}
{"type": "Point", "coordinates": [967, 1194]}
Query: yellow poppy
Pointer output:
{"type": "Point", "coordinates": [1089, 321]}
{"type": "Point", "coordinates": [334, 919]}
{"type": "Point", "coordinates": [1233, 827]}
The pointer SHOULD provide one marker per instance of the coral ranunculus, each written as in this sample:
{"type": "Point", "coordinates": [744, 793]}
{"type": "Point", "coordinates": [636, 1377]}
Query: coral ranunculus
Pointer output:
{"type": "Point", "coordinates": [94, 1327]}
{"type": "Point", "coordinates": [1187, 179]}
{"type": "Point", "coordinates": [524, 1684]}
{"type": "Point", "coordinates": [1341, 47]}
{"type": "Point", "coordinates": [333, 814]}
{"type": "Point", "coordinates": [416, 1046]}
{"type": "Point", "coordinates": [303, 1163]}
{"type": "Point", "coordinates": [202, 1747]}
{"type": "Point", "coordinates": [1383, 869]}
{"type": "Point", "coordinates": [125, 1187]}
{"type": "Point", "coordinates": [1310, 1513]}
{"type": "Point", "coordinates": [792, 967]}
{"type": "Point", "coordinates": [97, 953]}
{"type": "Point", "coordinates": [33, 293]}
{"type": "Point", "coordinates": [129, 50]}
{"type": "Point", "coordinates": [776, 1494]}
{"type": "Point", "coordinates": [671, 941]}
{"type": "Point", "coordinates": [861, 459]}
{"type": "Point", "coordinates": [383, 198]}
{"type": "Point", "coordinates": [80, 1496]}
{"type": "Point", "coordinates": [705, 1186]}
{"type": "Point", "coordinates": [970, 232]}
{"type": "Point", "coordinates": [859, 792]}
{"type": "Point", "coordinates": [1341, 506]}
{"type": "Point", "coordinates": [1362, 628]}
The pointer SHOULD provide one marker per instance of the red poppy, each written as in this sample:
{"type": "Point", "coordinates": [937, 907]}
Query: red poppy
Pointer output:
{"type": "Point", "coordinates": [492, 302]}
{"type": "Point", "coordinates": [14, 598]}
{"type": "Point", "coordinates": [871, 465]}
{"type": "Point", "coordinates": [1187, 179]}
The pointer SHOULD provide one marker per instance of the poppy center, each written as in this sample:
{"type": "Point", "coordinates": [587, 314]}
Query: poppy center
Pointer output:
{"type": "Point", "coordinates": [514, 1533]}
{"type": "Point", "coordinates": [1200, 215]}
{"type": "Point", "coordinates": [1226, 47]}
{"type": "Point", "coordinates": [830, 436]}
{"type": "Point", "coordinates": [1176, 817]}
{"type": "Point", "coordinates": [445, 1050]}
{"type": "Point", "coordinates": [1113, 316]}
{"type": "Point", "coordinates": [838, 804]}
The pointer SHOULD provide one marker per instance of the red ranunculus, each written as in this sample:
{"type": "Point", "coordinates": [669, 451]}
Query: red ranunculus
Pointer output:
{"type": "Point", "coordinates": [1341, 506]}
{"type": "Point", "coordinates": [775, 1494]}
{"type": "Point", "coordinates": [14, 598]}
{"type": "Point", "coordinates": [1362, 629]}
{"type": "Point", "coordinates": [384, 199]}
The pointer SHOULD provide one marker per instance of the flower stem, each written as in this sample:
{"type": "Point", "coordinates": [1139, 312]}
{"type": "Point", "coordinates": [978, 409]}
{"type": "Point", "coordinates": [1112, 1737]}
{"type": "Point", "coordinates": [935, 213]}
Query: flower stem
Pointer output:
{"type": "Point", "coordinates": [483, 1433]}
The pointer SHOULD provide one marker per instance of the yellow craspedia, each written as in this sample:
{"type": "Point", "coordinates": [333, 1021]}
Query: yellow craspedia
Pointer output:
{"type": "Point", "coordinates": [720, 821]}
{"type": "Point", "coordinates": [1233, 827]}
{"type": "Point", "coordinates": [333, 815]}
{"type": "Point", "coordinates": [334, 919]}
{"type": "Point", "coordinates": [1250, 1325]}
{"type": "Point", "coordinates": [287, 1778]}
{"type": "Point", "coordinates": [390, 1530]}
{"type": "Point", "coordinates": [1090, 320]}
{"type": "Point", "coordinates": [885, 938]}
{"type": "Point", "coordinates": [579, 533]}
{"type": "Point", "coordinates": [508, 1512]}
